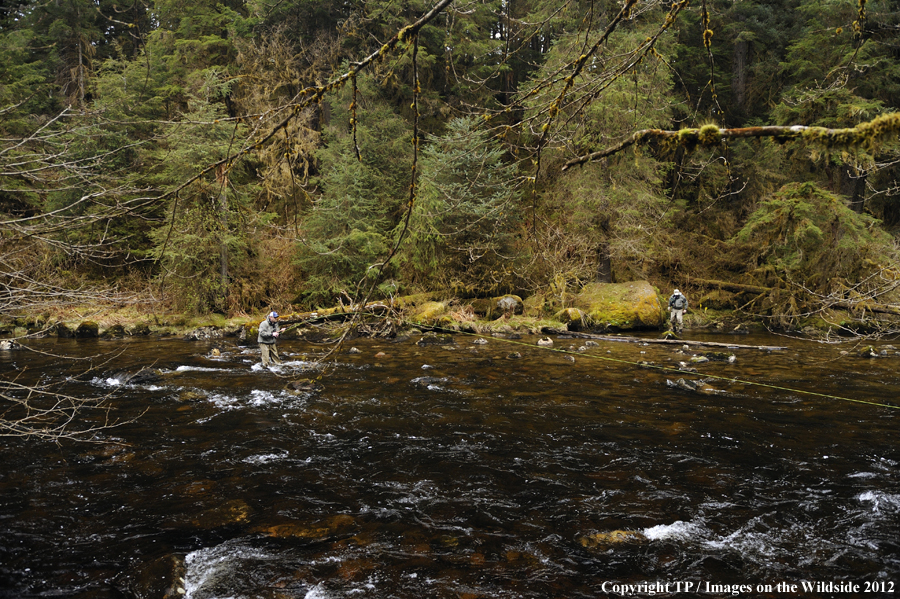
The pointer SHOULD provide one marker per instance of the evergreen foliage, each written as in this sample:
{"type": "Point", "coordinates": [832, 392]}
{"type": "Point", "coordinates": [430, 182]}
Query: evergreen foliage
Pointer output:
{"type": "Point", "coordinates": [806, 244]}
{"type": "Point", "coordinates": [350, 225]}
{"type": "Point", "coordinates": [466, 214]}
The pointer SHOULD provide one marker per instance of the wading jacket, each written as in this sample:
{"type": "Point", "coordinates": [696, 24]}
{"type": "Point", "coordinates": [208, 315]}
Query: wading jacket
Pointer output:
{"type": "Point", "coordinates": [266, 330]}
{"type": "Point", "coordinates": [679, 302]}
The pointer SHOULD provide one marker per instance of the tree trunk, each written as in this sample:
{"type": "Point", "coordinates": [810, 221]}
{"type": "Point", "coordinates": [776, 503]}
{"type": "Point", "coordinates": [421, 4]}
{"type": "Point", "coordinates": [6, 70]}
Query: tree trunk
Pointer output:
{"type": "Point", "coordinates": [604, 260]}
{"type": "Point", "coordinates": [222, 209]}
{"type": "Point", "coordinates": [852, 183]}
{"type": "Point", "coordinates": [739, 73]}
{"type": "Point", "coordinates": [604, 265]}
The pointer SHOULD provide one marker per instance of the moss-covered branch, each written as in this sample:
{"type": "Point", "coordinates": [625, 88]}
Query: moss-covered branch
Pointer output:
{"type": "Point", "coordinates": [867, 136]}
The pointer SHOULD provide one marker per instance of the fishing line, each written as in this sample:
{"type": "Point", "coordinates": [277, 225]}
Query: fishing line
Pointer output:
{"type": "Point", "coordinates": [645, 365]}
{"type": "Point", "coordinates": [648, 365]}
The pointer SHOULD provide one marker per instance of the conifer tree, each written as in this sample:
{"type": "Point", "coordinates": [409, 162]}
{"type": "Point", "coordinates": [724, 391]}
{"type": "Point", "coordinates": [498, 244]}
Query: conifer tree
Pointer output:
{"type": "Point", "coordinates": [467, 211]}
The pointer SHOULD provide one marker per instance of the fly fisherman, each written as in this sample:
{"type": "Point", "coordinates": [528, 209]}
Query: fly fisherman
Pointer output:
{"type": "Point", "coordinates": [677, 305]}
{"type": "Point", "coordinates": [268, 335]}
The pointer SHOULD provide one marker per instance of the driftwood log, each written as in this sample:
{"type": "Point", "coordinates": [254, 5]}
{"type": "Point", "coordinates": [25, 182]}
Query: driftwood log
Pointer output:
{"type": "Point", "coordinates": [623, 339]}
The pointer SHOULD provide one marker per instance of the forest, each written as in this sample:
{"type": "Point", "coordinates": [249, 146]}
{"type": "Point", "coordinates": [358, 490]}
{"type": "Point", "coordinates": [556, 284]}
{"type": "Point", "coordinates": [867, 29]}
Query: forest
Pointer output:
{"type": "Point", "coordinates": [235, 156]}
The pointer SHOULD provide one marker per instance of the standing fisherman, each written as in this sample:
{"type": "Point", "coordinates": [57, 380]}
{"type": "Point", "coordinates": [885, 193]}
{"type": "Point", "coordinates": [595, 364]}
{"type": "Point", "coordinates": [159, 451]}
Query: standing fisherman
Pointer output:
{"type": "Point", "coordinates": [677, 305]}
{"type": "Point", "coordinates": [268, 335]}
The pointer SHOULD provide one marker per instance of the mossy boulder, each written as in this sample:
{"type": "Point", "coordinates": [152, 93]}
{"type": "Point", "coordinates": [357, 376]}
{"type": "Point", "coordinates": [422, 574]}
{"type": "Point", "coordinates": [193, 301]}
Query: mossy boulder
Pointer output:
{"type": "Point", "coordinates": [620, 306]}
{"type": "Point", "coordinates": [115, 331]}
{"type": "Point", "coordinates": [429, 312]}
{"type": "Point", "coordinates": [139, 329]}
{"type": "Point", "coordinates": [498, 306]}
{"type": "Point", "coordinates": [573, 318]}
{"type": "Point", "coordinates": [87, 329]}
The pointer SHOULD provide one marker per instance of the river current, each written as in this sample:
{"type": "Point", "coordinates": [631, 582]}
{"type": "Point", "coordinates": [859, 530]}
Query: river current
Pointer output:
{"type": "Point", "coordinates": [475, 468]}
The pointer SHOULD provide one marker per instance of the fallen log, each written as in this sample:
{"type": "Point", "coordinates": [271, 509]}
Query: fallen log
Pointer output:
{"type": "Point", "coordinates": [623, 339]}
{"type": "Point", "coordinates": [866, 307]}
{"type": "Point", "coordinates": [737, 287]}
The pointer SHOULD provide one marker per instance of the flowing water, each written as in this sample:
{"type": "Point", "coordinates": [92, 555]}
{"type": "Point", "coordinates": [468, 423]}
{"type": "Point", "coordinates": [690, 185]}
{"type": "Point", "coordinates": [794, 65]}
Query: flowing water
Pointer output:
{"type": "Point", "coordinates": [497, 470]}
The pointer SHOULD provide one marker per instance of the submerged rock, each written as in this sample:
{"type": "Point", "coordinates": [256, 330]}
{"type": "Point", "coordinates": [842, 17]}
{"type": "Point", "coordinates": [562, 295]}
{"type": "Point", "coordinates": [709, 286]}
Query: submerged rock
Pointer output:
{"type": "Point", "coordinates": [233, 511]}
{"type": "Point", "coordinates": [603, 540]}
{"type": "Point", "coordinates": [304, 386]}
{"type": "Point", "coordinates": [720, 356]}
{"type": "Point", "coordinates": [429, 382]}
{"type": "Point", "coordinates": [143, 376]}
{"type": "Point", "coordinates": [431, 338]}
{"type": "Point", "coordinates": [340, 524]}
{"type": "Point", "coordinates": [161, 578]}
{"type": "Point", "coordinates": [697, 386]}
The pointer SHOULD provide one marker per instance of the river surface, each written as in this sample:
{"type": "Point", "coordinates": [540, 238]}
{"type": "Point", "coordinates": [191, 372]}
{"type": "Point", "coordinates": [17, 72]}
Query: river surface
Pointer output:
{"type": "Point", "coordinates": [463, 470]}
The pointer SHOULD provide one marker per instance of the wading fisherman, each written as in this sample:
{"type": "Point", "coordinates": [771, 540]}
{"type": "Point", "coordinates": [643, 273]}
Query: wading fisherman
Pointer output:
{"type": "Point", "coordinates": [268, 335]}
{"type": "Point", "coordinates": [677, 305]}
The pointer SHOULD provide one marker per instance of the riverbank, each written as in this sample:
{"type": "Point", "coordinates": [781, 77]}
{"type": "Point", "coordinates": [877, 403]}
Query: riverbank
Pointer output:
{"type": "Point", "coordinates": [109, 322]}
{"type": "Point", "coordinates": [610, 308]}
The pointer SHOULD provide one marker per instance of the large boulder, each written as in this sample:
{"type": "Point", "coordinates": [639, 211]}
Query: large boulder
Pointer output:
{"type": "Point", "coordinates": [620, 306]}
{"type": "Point", "coordinates": [498, 306]}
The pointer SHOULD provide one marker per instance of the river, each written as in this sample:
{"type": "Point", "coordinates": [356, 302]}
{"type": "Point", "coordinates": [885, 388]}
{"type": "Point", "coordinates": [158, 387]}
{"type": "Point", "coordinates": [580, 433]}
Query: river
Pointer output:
{"type": "Point", "coordinates": [477, 468]}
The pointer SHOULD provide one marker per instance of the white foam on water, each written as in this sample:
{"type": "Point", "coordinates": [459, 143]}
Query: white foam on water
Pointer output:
{"type": "Point", "coordinates": [678, 530]}
{"type": "Point", "coordinates": [286, 365]}
{"type": "Point", "coordinates": [758, 546]}
{"type": "Point", "coordinates": [206, 570]}
{"type": "Point", "coordinates": [185, 368]}
{"type": "Point", "coordinates": [317, 592]}
{"type": "Point", "coordinates": [257, 398]}
{"type": "Point", "coordinates": [880, 501]}
{"type": "Point", "coordinates": [265, 458]}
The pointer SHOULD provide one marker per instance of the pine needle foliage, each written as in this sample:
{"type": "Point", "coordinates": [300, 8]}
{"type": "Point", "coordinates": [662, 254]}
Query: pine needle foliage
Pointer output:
{"type": "Point", "coordinates": [350, 225]}
{"type": "Point", "coordinates": [806, 245]}
{"type": "Point", "coordinates": [467, 212]}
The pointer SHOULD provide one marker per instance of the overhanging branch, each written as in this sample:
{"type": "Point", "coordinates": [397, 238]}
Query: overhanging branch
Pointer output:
{"type": "Point", "coordinates": [867, 135]}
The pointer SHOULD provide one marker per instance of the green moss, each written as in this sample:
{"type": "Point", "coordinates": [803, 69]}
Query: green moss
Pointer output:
{"type": "Point", "coordinates": [631, 305]}
{"type": "Point", "coordinates": [429, 312]}
{"type": "Point", "coordinates": [709, 135]}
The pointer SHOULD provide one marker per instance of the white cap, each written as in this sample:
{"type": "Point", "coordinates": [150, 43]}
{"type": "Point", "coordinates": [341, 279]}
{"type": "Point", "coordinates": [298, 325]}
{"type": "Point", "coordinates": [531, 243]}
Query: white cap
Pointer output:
{"type": "Point", "coordinates": [677, 292]}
